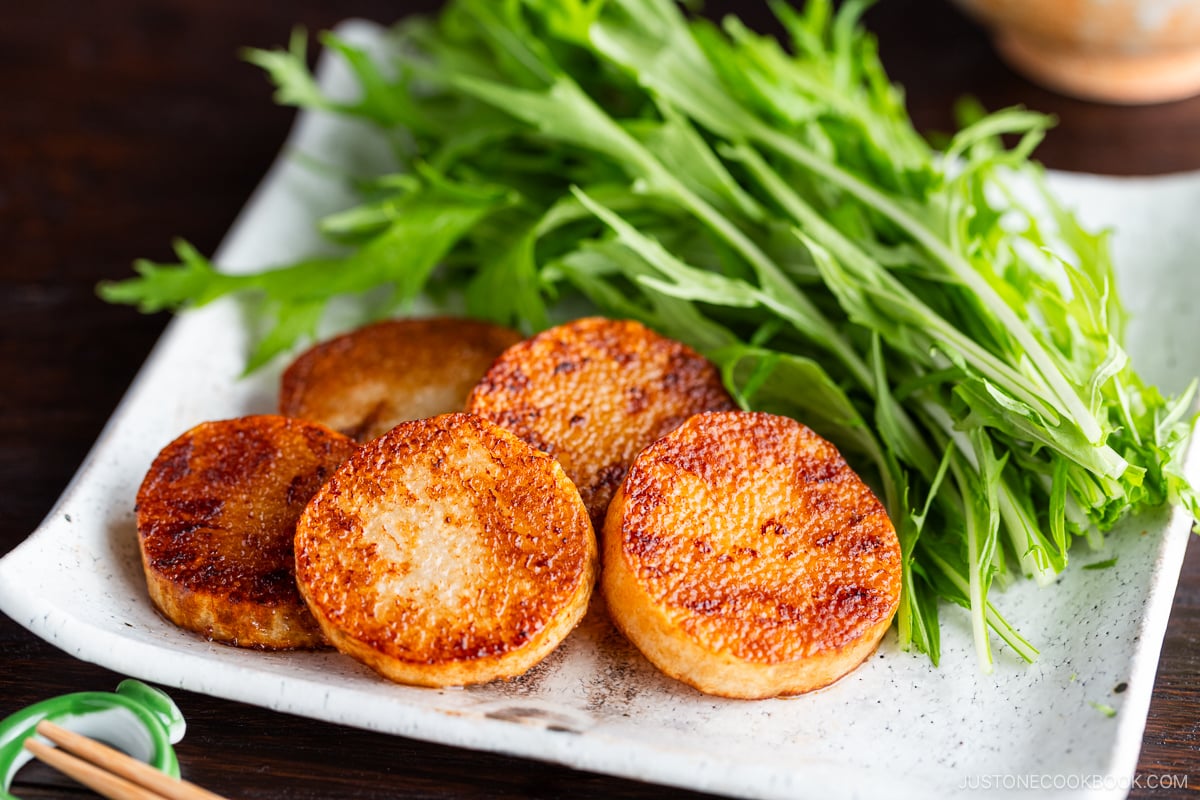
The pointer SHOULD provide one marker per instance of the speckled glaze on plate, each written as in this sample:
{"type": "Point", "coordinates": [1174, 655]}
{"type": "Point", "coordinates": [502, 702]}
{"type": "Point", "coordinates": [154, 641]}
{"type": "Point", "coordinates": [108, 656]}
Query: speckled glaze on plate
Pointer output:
{"type": "Point", "coordinates": [896, 727]}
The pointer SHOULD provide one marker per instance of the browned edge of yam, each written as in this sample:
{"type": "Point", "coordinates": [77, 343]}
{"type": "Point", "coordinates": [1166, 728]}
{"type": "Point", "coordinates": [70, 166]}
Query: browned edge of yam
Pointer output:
{"type": "Point", "coordinates": [744, 557]}
{"type": "Point", "coordinates": [216, 518]}
{"type": "Point", "coordinates": [447, 552]}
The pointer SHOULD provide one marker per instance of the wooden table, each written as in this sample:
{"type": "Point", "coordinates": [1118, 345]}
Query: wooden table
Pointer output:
{"type": "Point", "coordinates": [123, 124]}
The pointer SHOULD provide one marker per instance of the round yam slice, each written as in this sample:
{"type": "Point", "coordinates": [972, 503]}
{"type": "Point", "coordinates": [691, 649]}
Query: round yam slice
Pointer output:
{"type": "Point", "coordinates": [743, 556]}
{"type": "Point", "coordinates": [594, 392]}
{"type": "Point", "coordinates": [216, 517]}
{"type": "Point", "coordinates": [447, 552]}
{"type": "Point", "coordinates": [364, 382]}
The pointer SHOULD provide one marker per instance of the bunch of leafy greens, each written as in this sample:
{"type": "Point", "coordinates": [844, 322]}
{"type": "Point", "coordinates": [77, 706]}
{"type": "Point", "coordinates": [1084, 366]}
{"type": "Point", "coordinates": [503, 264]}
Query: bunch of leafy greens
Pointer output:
{"type": "Point", "coordinates": [773, 207]}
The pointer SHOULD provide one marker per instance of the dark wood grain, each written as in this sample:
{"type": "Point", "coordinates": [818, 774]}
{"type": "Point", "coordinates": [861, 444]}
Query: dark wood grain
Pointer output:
{"type": "Point", "coordinates": [123, 124]}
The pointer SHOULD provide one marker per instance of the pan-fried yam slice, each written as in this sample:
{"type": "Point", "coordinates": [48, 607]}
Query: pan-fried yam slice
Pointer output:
{"type": "Point", "coordinates": [594, 392]}
{"type": "Point", "coordinates": [364, 382]}
{"type": "Point", "coordinates": [216, 517]}
{"type": "Point", "coordinates": [745, 558]}
{"type": "Point", "coordinates": [447, 552]}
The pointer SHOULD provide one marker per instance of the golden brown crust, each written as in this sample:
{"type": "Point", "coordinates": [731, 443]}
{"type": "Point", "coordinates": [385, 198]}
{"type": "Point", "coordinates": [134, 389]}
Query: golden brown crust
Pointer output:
{"type": "Point", "coordinates": [593, 393]}
{"type": "Point", "coordinates": [216, 516]}
{"type": "Point", "coordinates": [744, 557]}
{"type": "Point", "coordinates": [364, 382]}
{"type": "Point", "coordinates": [447, 552]}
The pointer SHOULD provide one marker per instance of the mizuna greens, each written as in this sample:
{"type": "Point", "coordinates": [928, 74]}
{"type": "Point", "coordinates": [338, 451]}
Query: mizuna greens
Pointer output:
{"type": "Point", "coordinates": [934, 312]}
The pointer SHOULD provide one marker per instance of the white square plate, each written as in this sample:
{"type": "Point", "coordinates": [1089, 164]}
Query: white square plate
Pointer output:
{"type": "Point", "coordinates": [896, 727]}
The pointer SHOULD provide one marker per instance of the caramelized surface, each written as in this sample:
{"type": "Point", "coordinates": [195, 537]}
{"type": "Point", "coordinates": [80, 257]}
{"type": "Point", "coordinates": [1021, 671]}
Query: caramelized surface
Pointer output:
{"type": "Point", "coordinates": [364, 382]}
{"type": "Point", "coordinates": [593, 393]}
{"type": "Point", "coordinates": [216, 518]}
{"type": "Point", "coordinates": [743, 556]}
{"type": "Point", "coordinates": [447, 552]}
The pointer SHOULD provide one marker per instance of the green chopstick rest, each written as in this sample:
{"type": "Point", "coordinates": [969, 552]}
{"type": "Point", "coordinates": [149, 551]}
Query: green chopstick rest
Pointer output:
{"type": "Point", "coordinates": [138, 719]}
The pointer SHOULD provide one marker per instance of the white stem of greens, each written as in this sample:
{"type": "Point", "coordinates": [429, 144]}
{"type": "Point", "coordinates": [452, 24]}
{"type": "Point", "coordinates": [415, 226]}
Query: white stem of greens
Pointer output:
{"type": "Point", "coordinates": [1049, 372]}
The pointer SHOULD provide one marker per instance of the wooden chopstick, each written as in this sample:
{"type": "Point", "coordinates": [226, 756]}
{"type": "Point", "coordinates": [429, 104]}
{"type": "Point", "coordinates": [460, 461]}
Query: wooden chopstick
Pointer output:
{"type": "Point", "coordinates": [109, 772]}
{"type": "Point", "coordinates": [91, 776]}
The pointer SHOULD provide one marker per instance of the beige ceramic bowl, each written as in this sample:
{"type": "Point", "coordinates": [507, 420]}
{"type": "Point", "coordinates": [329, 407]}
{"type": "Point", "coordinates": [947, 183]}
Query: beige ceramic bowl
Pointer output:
{"type": "Point", "coordinates": [1116, 51]}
